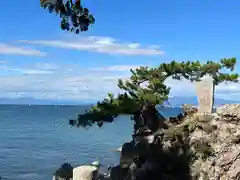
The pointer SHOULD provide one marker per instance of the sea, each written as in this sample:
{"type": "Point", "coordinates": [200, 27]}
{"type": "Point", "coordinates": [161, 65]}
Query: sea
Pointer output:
{"type": "Point", "coordinates": [35, 140]}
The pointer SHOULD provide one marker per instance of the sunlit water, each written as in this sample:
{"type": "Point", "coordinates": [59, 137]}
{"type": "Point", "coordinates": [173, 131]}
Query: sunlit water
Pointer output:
{"type": "Point", "coordinates": [36, 140]}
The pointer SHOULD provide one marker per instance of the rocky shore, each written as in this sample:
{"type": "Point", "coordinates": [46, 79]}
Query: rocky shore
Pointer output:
{"type": "Point", "coordinates": [196, 147]}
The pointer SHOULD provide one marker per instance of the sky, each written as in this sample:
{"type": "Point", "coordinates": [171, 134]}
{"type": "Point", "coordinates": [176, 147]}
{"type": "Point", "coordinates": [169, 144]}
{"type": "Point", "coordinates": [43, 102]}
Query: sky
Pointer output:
{"type": "Point", "coordinates": [39, 60]}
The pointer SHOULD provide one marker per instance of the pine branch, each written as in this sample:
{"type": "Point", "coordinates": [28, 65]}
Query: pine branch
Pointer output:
{"type": "Point", "coordinates": [74, 17]}
{"type": "Point", "coordinates": [147, 84]}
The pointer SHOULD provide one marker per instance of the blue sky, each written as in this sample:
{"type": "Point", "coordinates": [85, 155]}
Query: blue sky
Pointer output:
{"type": "Point", "coordinates": [39, 60]}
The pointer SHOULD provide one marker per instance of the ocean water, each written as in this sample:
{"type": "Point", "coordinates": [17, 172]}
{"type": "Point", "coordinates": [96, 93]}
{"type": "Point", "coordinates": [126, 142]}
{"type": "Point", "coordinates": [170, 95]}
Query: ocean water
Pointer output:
{"type": "Point", "coordinates": [36, 140]}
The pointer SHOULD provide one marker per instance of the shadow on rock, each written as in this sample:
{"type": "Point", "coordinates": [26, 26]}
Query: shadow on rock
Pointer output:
{"type": "Point", "coordinates": [166, 161]}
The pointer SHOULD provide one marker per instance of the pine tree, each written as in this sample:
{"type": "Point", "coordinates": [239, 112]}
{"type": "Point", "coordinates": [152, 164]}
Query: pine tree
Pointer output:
{"type": "Point", "coordinates": [155, 91]}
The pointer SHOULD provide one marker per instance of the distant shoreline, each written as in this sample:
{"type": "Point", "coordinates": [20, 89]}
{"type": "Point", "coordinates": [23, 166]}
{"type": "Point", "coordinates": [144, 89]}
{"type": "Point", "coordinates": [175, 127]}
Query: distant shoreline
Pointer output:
{"type": "Point", "coordinates": [44, 105]}
{"type": "Point", "coordinates": [160, 106]}
{"type": "Point", "coordinates": [25, 101]}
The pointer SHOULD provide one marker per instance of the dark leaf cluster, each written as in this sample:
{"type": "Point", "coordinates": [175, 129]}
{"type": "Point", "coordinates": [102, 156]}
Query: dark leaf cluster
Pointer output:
{"type": "Point", "coordinates": [64, 172]}
{"type": "Point", "coordinates": [74, 17]}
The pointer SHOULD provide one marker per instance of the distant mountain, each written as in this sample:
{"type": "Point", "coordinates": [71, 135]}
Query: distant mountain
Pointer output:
{"type": "Point", "coordinates": [33, 101]}
{"type": "Point", "coordinates": [178, 101]}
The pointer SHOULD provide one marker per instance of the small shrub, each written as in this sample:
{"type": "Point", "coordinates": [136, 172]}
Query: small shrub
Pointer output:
{"type": "Point", "coordinates": [202, 147]}
{"type": "Point", "coordinates": [206, 127]}
{"type": "Point", "coordinates": [236, 139]}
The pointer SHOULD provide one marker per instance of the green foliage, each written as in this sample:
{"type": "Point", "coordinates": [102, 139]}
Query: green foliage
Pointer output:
{"type": "Point", "coordinates": [147, 84]}
{"type": "Point", "coordinates": [74, 17]}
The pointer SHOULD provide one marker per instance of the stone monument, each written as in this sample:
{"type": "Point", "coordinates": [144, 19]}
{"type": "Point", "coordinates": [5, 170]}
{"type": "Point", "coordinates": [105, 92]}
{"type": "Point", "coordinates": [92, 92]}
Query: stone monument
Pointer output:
{"type": "Point", "coordinates": [205, 92]}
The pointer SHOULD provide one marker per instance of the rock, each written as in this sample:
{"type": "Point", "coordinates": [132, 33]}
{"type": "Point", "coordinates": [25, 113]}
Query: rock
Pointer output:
{"type": "Point", "coordinates": [177, 119]}
{"type": "Point", "coordinates": [118, 173]}
{"type": "Point", "coordinates": [85, 172]}
{"type": "Point", "coordinates": [223, 163]}
{"type": "Point", "coordinates": [96, 164]}
{"type": "Point", "coordinates": [228, 109]}
{"type": "Point", "coordinates": [127, 154]}
{"type": "Point", "coordinates": [65, 172]}
{"type": "Point", "coordinates": [213, 144]}
{"type": "Point", "coordinates": [234, 170]}
{"type": "Point", "coordinates": [58, 178]}
{"type": "Point", "coordinates": [103, 177]}
{"type": "Point", "coordinates": [174, 120]}
{"type": "Point", "coordinates": [119, 149]}
{"type": "Point", "coordinates": [144, 135]}
{"type": "Point", "coordinates": [189, 109]}
{"type": "Point", "coordinates": [213, 141]}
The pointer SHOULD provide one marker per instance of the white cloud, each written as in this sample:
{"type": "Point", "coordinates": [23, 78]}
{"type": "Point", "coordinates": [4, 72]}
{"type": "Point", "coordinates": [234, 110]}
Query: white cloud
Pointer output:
{"type": "Point", "coordinates": [100, 45]}
{"type": "Point", "coordinates": [68, 82]}
{"type": "Point", "coordinates": [117, 68]}
{"type": "Point", "coordinates": [5, 67]}
{"type": "Point", "coordinates": [29, 71]}
{"type": "Point", "coordinates": [75, 84]}
{"type": "Point", "coordinates": [55, 87]}
{"type": "Point", "coordinates": [15, 50]}
{"type": "Point", "coordinates": [47, 66]}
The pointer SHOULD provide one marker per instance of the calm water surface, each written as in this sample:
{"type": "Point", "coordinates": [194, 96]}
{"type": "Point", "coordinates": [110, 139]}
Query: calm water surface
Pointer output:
{"type": "Point", "coordinates": [36, 140]}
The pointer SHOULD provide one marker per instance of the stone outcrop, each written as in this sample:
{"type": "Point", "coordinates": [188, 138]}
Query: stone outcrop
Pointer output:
{"type": "Point", "coordinates": [199, 147]}
{"type": "Point", "coordinates": [223, 136]}
{"type": "Point", "coordinates": [215, 139]}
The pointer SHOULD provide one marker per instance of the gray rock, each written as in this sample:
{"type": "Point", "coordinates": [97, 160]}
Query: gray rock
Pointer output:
{"type": "Point", "coordinates": [127, 154]}
{"type": "Point", "coordinates": [58, 178]}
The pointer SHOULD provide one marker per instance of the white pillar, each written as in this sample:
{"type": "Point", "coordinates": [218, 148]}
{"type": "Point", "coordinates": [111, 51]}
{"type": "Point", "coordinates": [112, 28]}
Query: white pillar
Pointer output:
{"type": "Point", "coordinates": [205, 92]}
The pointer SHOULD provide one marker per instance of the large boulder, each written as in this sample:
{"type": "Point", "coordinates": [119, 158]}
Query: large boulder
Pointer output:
{"type": "Point", "coordinates": [127, 154]}
{"type": "Point", "coordinates": [85, 172]}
